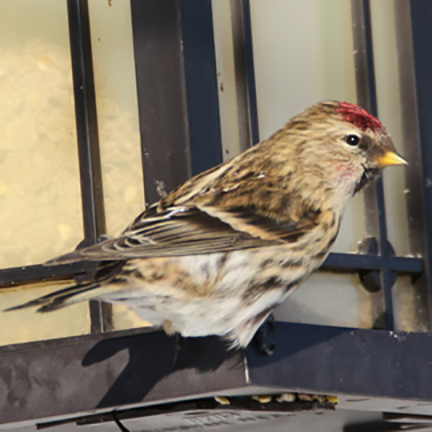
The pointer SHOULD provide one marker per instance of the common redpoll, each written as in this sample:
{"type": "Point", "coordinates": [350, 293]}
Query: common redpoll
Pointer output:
{"type": "Point", "coordinates": [221, 251]}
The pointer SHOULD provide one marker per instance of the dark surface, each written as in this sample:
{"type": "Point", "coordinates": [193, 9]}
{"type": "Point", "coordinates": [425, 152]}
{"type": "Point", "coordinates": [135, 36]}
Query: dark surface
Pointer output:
{"type": "Point", "coordinates": [53, 378]}
{"type": "Point", "coordinates": [347, 361]}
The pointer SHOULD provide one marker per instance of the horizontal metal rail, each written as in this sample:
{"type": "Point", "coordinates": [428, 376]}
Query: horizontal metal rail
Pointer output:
{"type": "Point", "coordinates": [337, 262]}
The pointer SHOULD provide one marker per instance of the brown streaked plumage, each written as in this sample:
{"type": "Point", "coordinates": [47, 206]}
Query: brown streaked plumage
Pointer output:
{"type": "Point", "coordinates": [220, 252]}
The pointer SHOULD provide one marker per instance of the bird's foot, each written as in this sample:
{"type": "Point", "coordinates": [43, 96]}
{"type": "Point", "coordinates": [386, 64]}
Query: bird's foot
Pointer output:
{"type": "Point", "coordinates": [264, 339]}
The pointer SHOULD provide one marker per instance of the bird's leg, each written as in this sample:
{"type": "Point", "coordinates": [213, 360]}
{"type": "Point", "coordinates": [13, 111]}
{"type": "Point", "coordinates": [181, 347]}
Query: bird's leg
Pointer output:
{"type": "Point", "coordinates": [169, 330]}
{"type": "Point", "coordinates": [264, 339]}
{"type": "Point", "coordinates": [177, 347]}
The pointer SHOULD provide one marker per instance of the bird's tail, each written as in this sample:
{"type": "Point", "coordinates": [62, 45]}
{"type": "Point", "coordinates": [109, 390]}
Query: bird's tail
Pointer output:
{"type": "Point", "coordinates": [92, 289]}
{"type": "Point", "coordinates": [62, 298]}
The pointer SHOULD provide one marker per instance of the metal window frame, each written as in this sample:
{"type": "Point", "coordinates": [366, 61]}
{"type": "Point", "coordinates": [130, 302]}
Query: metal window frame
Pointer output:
{"type": "Point", "coordinates": [381, 359]}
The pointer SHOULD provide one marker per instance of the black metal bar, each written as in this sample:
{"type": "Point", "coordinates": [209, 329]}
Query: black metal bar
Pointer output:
{"type": "Point", "coordinates": [157, 35]}
{"type": "Point", "coordinates": [366, 97]}
{"type": "Point", "coordinates": [371, 365]}
{"type": "Point", "coordinates": [39, 273]}
{"type": "Point", "coordinates": [414, 182]}
{"type": "Point", "coordinates": [201, 84]}
{"type": "Point", "coordinates": [353, 262]}
{"type": "Point", "coordinates": [86, 121]}
{"type": "Point", "coordinates": [88, 141]}
{"type": "Point", "coordinates": [364, 61]}
{"type": "Point", "coordinates": [250, 72]}
{"type": "Point", "coordinates": [337, 262]}
{"type": "Point", "coordinates": [247, 111]}
{"type": "Point", "coordinates": [421, 14]}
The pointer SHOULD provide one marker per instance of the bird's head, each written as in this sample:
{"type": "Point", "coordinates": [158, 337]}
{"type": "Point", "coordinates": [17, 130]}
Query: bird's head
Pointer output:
{"type": "Point", "coordinates": [342, 143]}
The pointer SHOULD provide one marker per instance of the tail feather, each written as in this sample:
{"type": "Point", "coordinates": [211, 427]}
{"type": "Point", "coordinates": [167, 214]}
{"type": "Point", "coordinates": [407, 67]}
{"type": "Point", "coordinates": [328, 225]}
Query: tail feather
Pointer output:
{"type": "Point", "coordinates": [68, 258]}
{"type": "Point", "coordinates": [76, 293]}
{"type": "Point", "coordinates": [68, 299]}
{"type": "Point", "coordinates": [57, 299]}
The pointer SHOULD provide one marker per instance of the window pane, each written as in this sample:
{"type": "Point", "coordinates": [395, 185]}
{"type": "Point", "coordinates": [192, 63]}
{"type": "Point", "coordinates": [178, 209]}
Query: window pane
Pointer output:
{"type": "Point", "coordinates": [39, 179]}
{"type": "Point", "coordinates": [117, 108]}
{"type": "Point", "coordinates": [26, 325]}
{"type": "Point", "coordinates": [332, 299]}
{"type": "Point", "coordinates": [303, 54]}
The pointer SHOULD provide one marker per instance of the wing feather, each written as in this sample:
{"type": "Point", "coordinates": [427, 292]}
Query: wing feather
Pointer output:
{"type": "Point", "coordinates": [225, 209]}
{"type": "Point", "coordinates": [180, 231]}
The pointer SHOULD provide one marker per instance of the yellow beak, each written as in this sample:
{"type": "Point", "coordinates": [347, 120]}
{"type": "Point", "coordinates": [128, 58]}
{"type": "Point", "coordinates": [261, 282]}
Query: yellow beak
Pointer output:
{"type": "Point", "coordinates": [391, 158]}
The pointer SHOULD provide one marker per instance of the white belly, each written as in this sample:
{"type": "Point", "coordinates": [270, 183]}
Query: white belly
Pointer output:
{"type": "Point", "coordinates": [216, 306]}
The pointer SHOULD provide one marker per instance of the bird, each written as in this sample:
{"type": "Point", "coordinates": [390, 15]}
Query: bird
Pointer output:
{"type": "Point", "coordinates": [220, 252]}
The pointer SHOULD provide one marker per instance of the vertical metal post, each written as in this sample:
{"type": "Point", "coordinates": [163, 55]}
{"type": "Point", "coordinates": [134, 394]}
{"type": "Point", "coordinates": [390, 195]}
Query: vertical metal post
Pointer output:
{"type": "Point", "coordinates": [366, 97]}
{"type": "Point", "coordinates": [88, 142]}
{"type": "Point", "coordinates": [201, 84]}
{"type": "Point", "coordinates": [421, 15]}
{"type": "Point", "coordinates": [411, 145]}
{"type": "Point", "coordinates": [162, 104]}
{"type": "Point", "coordinates": [247, 112]}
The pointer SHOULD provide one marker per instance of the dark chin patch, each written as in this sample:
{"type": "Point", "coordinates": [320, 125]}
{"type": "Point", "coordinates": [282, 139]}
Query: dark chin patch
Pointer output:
{"type": "Point", "coordinates": [369, 174]}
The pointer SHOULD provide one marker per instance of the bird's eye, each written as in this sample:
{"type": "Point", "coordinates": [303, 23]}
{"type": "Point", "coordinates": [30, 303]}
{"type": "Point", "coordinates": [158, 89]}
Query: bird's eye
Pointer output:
{"type": "Point", "coordinates": [352, 140]}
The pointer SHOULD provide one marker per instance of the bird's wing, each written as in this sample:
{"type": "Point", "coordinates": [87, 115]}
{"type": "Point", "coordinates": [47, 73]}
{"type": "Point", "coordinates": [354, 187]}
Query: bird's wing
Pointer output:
{"type": "Point", "coordinates": [181, 230]}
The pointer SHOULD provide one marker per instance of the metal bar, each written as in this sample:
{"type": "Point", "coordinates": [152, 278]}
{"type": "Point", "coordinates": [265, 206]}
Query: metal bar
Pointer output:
{"type": "Point", "coordinates": [247, 112]}
{"type": "Point", "coordinates": [250, 72]}
{"type": "Point", "coordinates": [368, 364]}
{"type": "Point", "coordinates": [88, 141]}
{"type": "Point", "coordinates": [201, 84]}
{"type": "Point", "coordinates": [161, 91]}
{"type": "Point", "coordinates": [86, 121]}
{"type": "Point", "coordinates": [39, 273]}
{"type": "Point", "coordinates": [366, 97]}
{"type": "Point", "coordinates": [417, 218]}
{"type": "Point", "coordinates": [354, 262]}
{"type": "Point", "coordinates": [338, 262]}
{"type": "Point", "coordinates": [421, 14]}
